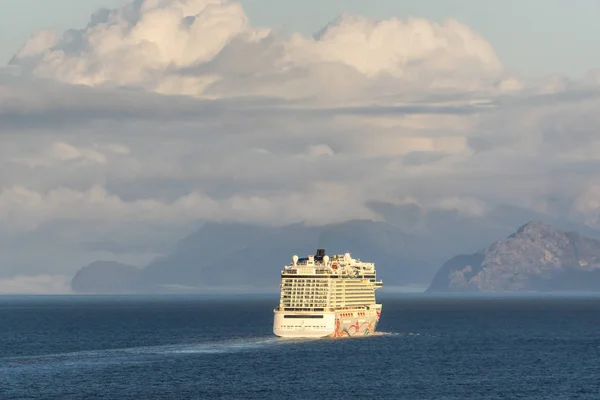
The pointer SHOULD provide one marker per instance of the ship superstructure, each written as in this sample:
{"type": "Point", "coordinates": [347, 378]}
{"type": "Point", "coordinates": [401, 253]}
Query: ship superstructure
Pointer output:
{"type": "Point", "coordinates": [327, 296]}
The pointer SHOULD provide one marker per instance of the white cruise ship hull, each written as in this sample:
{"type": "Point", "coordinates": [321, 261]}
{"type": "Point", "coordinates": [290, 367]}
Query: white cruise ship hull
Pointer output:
{"type": "Point", "coordinates": [334, 324]}
{"type": "Point", "coordinates": [303, 325]}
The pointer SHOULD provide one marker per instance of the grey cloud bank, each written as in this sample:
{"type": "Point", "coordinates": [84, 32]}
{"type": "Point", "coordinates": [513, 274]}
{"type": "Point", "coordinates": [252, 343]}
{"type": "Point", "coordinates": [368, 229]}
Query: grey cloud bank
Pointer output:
{"type": "Point", "coordinates": [117, 140]}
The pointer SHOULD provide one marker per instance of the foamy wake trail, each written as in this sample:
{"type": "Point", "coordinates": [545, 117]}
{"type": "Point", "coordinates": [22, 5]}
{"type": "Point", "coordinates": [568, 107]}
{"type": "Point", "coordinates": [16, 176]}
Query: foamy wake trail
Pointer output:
{"type": "Point", "coordinates": [135, 355]}
{"type": "Point", "coordinates": [385, 334]}
{"type": "Point", "coordinates": [229, 346]}
{"type": "Point", "coordinates": [141, 354]}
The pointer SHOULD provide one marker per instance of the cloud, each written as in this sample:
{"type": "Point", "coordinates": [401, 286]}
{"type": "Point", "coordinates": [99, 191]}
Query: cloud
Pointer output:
{"type": "Point", "coordinates": [27, 209]}
{"type": "Point", "coordinates": [38, 284]}
{"type": "Point", "coordinates": [208, 48]}
{"type": "Point", "coordinates": [402, 49]}
{"type": "Point", "coordinates": [119, 138]}
{"type": "Point", "coordinates": [61, 152]}
{"type": "Point", "coordinates": [320, 150]}
{"type": "Point", "coordinates": [586, 206]}
{"type": "Point", "coordinates": [131, 45]}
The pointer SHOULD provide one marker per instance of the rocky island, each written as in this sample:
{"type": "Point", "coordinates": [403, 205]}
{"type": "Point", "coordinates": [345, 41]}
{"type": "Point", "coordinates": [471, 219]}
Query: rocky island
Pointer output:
{"type": "Point", "coordinates": [537, 257]}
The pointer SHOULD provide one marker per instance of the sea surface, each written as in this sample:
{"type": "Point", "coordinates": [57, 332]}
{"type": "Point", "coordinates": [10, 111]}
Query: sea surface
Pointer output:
{"type": "Point", "coordinates": [212, 347]}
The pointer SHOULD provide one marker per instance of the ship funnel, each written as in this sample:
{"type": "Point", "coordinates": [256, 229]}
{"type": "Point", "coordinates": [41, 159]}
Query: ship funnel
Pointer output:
{"type": "Point", "coordinates": [320, 253]}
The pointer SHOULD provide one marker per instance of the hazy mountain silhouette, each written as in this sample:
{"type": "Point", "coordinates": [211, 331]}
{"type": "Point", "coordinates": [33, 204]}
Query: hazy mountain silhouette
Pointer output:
{"type": "Point", "coordinates": [407, 247]}
{"type": "Point", "coordinates": [232, 254]}
{"type": "Point", "coordinates": [449, 232]}
{"type": "Point", "coordinates": [240, 254]}
{"type": "Point", "coordinates": [106, 277]}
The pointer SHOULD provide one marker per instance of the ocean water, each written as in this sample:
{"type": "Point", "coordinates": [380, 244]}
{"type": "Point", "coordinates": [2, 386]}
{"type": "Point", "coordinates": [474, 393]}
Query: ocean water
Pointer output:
{"type": "Point", "coordinates": [210, 347]}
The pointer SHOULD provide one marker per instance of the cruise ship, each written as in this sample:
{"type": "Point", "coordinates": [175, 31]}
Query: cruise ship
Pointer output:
{"type": "Point", "coordinates": [327, 296]}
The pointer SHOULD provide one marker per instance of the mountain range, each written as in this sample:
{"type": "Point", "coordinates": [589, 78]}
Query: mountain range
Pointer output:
{"type": "Point", "coordinates": [408, 244]}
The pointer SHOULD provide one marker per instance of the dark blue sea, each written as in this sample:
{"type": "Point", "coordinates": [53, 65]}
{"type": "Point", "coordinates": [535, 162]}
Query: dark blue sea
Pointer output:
{"type": "Point", "coordinates": [212, 347]}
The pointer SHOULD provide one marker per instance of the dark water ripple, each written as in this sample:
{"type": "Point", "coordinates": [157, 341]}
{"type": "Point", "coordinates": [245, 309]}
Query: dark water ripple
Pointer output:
{"type": "Point", "coordinates": [192, 347]}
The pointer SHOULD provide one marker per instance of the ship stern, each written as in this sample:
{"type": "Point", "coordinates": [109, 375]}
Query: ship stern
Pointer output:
{"type": "Point", "coordinates": [289, 324]}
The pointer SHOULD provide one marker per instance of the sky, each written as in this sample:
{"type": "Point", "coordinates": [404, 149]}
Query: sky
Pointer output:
{"type": "Point", "coordinates": [120, 136]}
{"type": "Point", "coordinates": [531, 37]}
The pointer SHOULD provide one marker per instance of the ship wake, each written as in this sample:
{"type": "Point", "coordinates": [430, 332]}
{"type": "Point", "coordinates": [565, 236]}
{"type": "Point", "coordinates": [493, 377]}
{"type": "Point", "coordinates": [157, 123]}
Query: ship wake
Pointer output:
{"type": "Point", "coordinates": [142, 354]}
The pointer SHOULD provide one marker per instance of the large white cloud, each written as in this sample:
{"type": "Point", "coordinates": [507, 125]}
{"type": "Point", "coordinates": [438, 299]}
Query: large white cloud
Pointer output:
{"type": "Point", "coordinates": [209, 48]}
{"type": "Point", "coordinates": [189, 113]}
{"type": "Point", "coordinates": [133, 44]}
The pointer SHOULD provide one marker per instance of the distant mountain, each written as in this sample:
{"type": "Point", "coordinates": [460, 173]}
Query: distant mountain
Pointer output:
{"type": "Point", "coordinates": [449, 232]}
{"type": "Point", "coordinates": [538, 257]}
{"type": "Point", "coordinates": [229, 254]}
{"type": "Point", "coordinates": [106, 277]}
{"type": "Point", "coordinates": [244, 255]}
{"type": "Point", "coordinates": [407, 245]}
{"type": "Point", "coordinates": [239, 254]}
